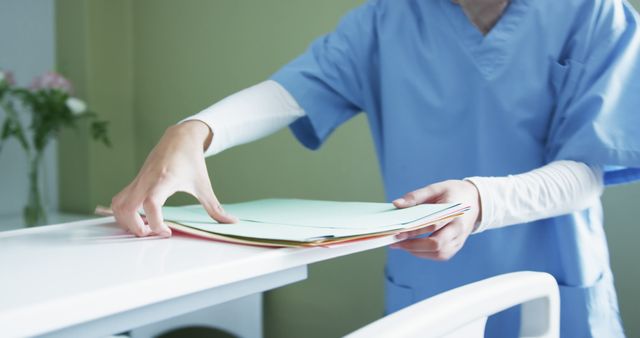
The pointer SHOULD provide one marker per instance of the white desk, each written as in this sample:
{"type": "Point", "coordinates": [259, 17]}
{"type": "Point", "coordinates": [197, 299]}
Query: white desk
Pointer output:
{"type": "Point", "coordinates": [15, 221]}
{"type": "Point", "coordinates": [86, 279]}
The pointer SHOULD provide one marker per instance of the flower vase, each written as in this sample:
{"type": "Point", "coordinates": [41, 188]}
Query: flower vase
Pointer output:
{"type": "Point", "coordinates": [34, 212]}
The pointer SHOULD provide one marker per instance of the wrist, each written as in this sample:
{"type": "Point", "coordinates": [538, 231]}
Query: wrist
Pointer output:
{"type": "Point", "coordinates": [478, 224]}
{"type": "Point", "coordinates": [478, 201]}
{"type": "Point", "coordinates": [195, 130]}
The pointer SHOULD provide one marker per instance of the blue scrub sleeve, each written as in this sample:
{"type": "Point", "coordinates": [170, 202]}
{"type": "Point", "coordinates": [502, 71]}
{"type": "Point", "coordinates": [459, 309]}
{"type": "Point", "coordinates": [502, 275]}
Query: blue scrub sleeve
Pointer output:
{"type": "Point", "coordinates": [329, 80]}
{"type": "Point", "coordinates": [597, 115]}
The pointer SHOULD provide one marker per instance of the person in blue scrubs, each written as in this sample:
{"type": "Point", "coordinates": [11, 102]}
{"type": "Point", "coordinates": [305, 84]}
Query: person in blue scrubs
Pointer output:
{"type": "Point", "coordinates": [447, 98]}
{"type": "Point", "coordinates": [551, 80]}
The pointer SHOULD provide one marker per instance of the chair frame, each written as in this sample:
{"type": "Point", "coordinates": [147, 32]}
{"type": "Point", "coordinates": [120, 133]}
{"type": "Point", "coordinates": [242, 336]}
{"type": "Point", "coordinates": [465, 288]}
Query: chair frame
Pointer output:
{"type": "Point", "coordinates": [462, 312]}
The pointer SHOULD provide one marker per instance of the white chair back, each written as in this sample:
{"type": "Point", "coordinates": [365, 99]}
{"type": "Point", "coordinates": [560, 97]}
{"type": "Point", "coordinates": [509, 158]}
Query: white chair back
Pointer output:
{"type": "Point", "coordinates": [463, 312]}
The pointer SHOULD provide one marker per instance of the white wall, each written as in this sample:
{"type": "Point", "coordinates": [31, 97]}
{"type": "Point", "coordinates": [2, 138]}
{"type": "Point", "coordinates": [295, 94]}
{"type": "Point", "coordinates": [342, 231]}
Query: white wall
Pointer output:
{"type": "Point", "coordinates": [26, 48]}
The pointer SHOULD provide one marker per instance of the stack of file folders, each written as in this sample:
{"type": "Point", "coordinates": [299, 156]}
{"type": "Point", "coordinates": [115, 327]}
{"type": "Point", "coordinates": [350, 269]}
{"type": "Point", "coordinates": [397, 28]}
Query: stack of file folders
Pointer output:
{"type": "Point", "coordinates": [305, 223]}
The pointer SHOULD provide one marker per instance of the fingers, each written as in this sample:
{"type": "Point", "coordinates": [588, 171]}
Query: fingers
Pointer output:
{"type": "Point", "coordinates": [211, 204]}
{"type": "Point", "coordinates": [441, 245]}
{"type": "Point", "coordinates": [416, 233]}
{"type": "Point", "coordinates": [429, 193]}
{"type": "Point", "coordinates": [175, 164]}
{"type": "Point", "coordinates": [153, 211]}
{"type": "Point", "coordinates": [442, 255]}
{"type": "Point", "coordinates": [428, 229]}
{"type": "Point", "coordinates": [125, 209]}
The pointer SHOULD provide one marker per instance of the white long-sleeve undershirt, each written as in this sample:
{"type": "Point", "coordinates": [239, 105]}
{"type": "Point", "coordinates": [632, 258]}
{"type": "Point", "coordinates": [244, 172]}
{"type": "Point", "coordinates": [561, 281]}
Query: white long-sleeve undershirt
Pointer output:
{"type": "Point", "coordinates": [558, 188]}
{"type": "Point", "coordinates": [554, 189]}
{"type": "Point", "coordinates": [248, 115]}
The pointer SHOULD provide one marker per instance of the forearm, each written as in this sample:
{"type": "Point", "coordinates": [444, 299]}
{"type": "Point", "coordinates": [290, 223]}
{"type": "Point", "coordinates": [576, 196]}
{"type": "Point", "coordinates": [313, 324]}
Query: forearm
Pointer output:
{"type": "Point", "coordinates": [248, 115]}
{"type": "Point", "coordinates": [557, 188]}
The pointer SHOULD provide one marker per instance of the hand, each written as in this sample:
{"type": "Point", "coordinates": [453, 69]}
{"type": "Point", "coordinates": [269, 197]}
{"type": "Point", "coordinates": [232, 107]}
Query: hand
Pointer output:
{"type": "Point", "coordinates": [175, 164]}
{"type": "Point", "coordinates": [448, 236]}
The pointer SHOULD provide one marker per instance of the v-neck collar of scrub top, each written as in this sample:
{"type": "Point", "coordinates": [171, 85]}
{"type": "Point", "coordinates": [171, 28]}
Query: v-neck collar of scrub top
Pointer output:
{"type": "Point", "coordinates": [489, 51]}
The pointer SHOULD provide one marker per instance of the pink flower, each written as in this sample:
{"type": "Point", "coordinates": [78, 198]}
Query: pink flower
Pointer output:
{"type": "Point", "coordinates": [52, 80]}
{"type": "Point", "coordinates": [7, 77]}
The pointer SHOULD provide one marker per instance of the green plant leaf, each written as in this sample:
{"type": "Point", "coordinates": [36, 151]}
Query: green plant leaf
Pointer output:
{"type": "Point", "coordinates": [99, 132]}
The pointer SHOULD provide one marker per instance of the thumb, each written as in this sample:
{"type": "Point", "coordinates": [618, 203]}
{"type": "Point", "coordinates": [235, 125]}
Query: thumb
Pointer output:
{"type": "Point", "coordinates": [423, 195]}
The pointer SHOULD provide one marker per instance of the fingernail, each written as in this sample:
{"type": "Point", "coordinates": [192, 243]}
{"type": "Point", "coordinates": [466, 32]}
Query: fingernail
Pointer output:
{"type": "Point", "coordinates": [400, 201]}
{"type": "Point", "coordinates": [165, 233]}
{"type": "Point", "coordinates": [401, 236]}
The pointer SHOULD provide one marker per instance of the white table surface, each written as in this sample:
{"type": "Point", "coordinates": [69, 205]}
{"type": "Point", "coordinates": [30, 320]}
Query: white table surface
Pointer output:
{"type": "Point", "coordinates": [62, 276]}
{"type": "Point", "coordinates": [15, 221]}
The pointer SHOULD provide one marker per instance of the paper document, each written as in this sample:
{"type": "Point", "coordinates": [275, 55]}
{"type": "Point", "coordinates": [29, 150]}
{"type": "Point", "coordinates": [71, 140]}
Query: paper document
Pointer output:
{"type": "Point", "coordinates": [295, 222]}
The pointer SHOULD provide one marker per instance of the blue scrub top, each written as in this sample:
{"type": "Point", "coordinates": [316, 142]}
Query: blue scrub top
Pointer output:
{"type": "Point", "coordinates": [552, 80]}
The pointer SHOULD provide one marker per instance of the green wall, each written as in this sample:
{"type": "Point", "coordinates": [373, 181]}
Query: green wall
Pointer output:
{"type": "Point", "coordinates": [94, 48]}
{"type": "Point", "coordinates": [146, 64]}
{"type": "Point", "coordinates": [623, 231]}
